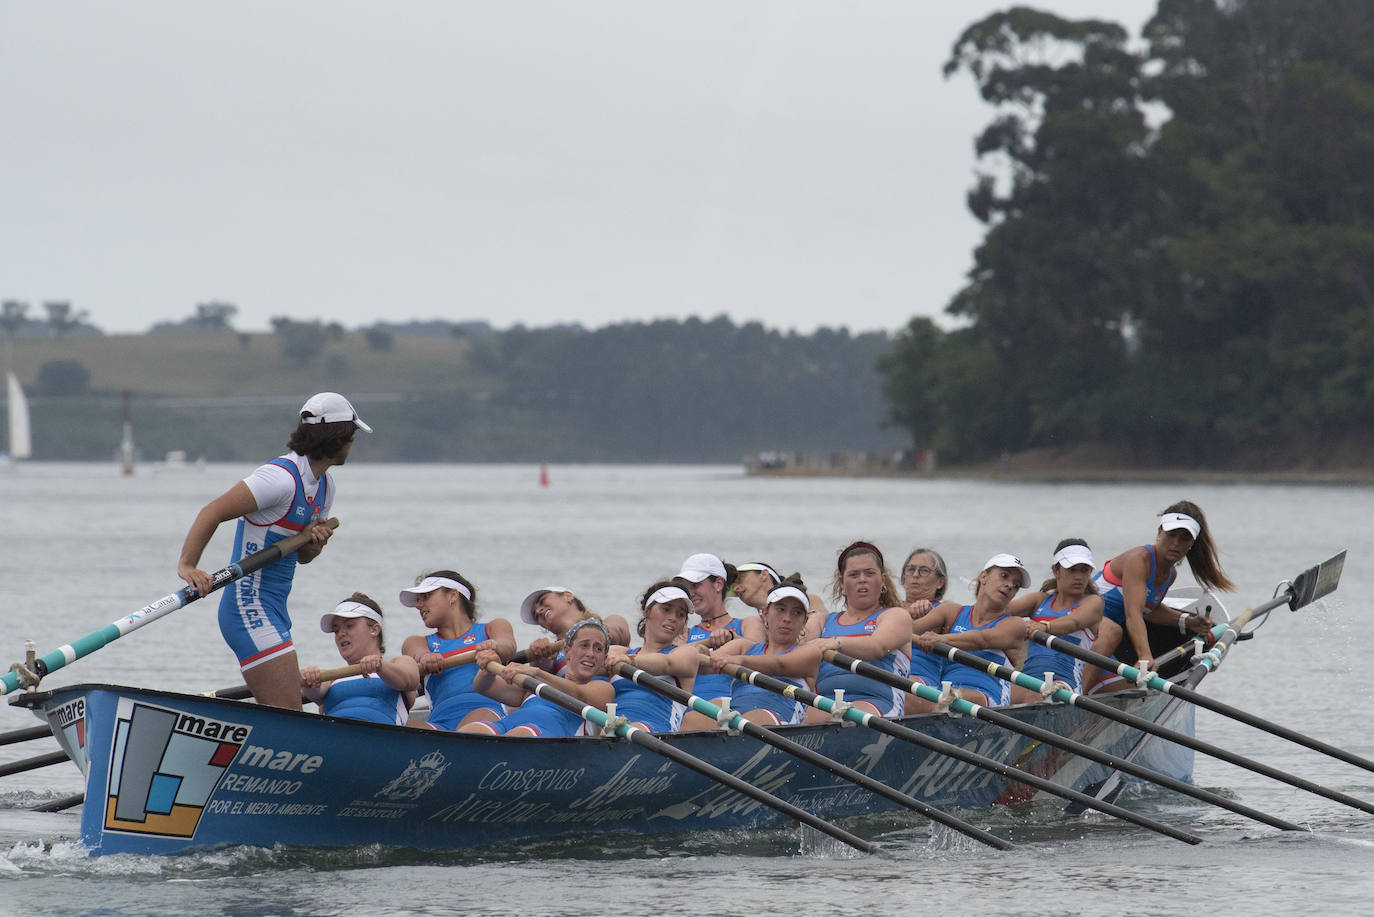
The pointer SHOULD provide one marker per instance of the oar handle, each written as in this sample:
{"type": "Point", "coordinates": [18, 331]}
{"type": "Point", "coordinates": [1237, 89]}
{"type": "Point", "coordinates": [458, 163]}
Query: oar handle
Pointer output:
{"type": "Point", "coordinates": [448, 663]}
{"type": "Point", "coordinates": [948, 749]}
{"type": "Point", "coordinates": [634, 734]}
{"type": "Point", "coordinates": [84, 646]}
{"type": "Point", "coordinates": [652, 683]}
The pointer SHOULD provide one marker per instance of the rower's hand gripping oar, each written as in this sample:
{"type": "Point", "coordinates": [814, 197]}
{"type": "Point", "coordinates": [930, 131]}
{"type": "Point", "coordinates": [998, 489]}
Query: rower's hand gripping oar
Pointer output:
{"type": "Point", "coordinates": [1307, 587]}
{"type": "Point", "coordinates": [449, 662]}
{"type": "Point", "coordinates": [878, 724]}
{"type": "Point", "coordinates": [1063, 694]}
{"type": "Point", "coordinates": [639, 737]}
{"type": "Point", "coordinates": [84, 646]}
{"type": "Point", "coordinates": [977, 711]}
{"type": "Point", "coordinates": [739, 723]}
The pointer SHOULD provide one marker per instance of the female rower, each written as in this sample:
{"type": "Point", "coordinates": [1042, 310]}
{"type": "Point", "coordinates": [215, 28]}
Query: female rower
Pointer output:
{"type": "Point", "coordinates": [707, 578]}
{"type": "Point", "coordinates": [288, 495]}
{"type": "Point", "coordinates": [587, 642]}
{"type": "Point", "coordinates": [385, 689]}
{"type": "Point", "coordinates": [447, 602]}
{"type": "Point", "coordinates": [782, 655]}
{"type": "Point", "coordinates": [556, 609]}
{"type": "Point", "coordinates": [665, 608]}
{"type": "Point", "coordinates": [872, 626]}
{"type": "Point", "coordinates": [1067, 606]}
{"type": "Point", "coordinates": [982, 628]}
{"type": "Point", "coordinates": [924, 578]}
{"type": "Point", "coordinates": [753, 582]}
{"type": "Point", "coordinates": [1133, 585]}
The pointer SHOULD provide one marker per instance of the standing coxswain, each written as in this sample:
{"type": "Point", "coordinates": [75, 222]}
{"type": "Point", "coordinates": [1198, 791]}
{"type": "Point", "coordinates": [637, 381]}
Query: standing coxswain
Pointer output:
{"type": "Point", "coordinates": [288, 495]}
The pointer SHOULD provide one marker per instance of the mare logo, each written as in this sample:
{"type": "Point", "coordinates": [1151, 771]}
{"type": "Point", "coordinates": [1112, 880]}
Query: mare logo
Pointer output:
{"type": "Point", "coordinates": [416, 780]}
{"type": "Point", "coordinates": [68, 723]}
{"type": "Point", "coordinates": [164, 766]}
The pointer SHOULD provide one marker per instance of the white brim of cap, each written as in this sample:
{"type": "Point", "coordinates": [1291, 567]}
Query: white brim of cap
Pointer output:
{"type": "Point", "coordinates": [527, 606]}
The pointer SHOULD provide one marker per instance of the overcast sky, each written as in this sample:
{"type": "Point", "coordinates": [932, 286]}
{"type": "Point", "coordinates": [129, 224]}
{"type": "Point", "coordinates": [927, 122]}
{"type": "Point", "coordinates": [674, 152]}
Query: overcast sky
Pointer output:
{"type": "Point", "coordinates": [799, 162]}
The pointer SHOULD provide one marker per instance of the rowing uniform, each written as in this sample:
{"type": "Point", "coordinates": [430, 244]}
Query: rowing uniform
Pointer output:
{"type": "Point", "coordinates": [998, 692]}
{"type": "Point", "coordinates": [451, 694]}
{"type": "Point", "coordinates": [712, 685]}
{"type": "Point", "coordinates": [1040, 659]}
{"type": "Point", "coordinates": [646, 708]}
{"type": "Point", "coordinates": [367, 698]}
{"type": "Point", "coordinates": [745, 697]}
{"type": "Point", "coordinates": [252, 610]}
{"type": "Point", "coordinates": [927, 668]}
{"type": "Point", "coordinates": [889, 701]}
{"type": "Point", "coordinates": [546, 718]}
{"type": "Point", "coordinates": [1113, 599]}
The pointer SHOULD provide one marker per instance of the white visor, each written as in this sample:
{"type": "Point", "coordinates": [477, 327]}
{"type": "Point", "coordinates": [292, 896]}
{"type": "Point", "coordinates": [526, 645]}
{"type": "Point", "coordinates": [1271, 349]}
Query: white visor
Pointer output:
{"type": "Point", "coordinates": [762, 568]}
{"type": "Point", "coordinates": [784, 592]}
{"type": "Point", "coordinates": [347, 609]}
{"type": "Point", "coordinates": [1011, 562]}
{"type": "Point", "coordinates": [527, 606]}
{"type": "Point", "coordinates": [429, 584]}
{"type": "Point", "coordinates": [1170, 521]}
{"type": "Point", "coordinates": [1073, 555]}
{"type": "Point", "coordinates": [668, 594]}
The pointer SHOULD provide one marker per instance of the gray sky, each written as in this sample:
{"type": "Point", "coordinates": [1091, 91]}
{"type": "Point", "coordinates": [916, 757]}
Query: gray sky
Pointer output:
{"type": "Point", "coordinates": [798, 162]}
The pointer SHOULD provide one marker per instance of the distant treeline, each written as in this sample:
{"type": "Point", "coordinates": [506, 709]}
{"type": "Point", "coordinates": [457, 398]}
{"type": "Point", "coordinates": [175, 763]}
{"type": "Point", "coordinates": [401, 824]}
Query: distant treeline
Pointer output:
{"type": "Point", "coordinates": [1198, 289]}
{"type": "Point", "coordinates": [665, 391]}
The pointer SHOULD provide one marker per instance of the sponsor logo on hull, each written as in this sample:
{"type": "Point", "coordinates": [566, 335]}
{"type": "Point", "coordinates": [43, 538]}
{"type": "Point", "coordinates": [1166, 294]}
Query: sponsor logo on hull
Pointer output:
{"type": "Point", "coordinates": [164, 767]}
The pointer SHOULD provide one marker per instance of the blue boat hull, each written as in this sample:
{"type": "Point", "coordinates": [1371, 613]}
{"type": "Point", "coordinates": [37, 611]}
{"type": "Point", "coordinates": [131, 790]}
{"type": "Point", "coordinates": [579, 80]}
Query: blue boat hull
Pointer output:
{"type": "Point", "coordinates": [170, 772]}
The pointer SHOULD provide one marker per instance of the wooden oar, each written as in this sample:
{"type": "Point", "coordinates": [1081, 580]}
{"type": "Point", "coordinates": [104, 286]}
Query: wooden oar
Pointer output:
{"type": "Point", "coordinates": [84, 646]}
{"type": "Point", "coordinates": [449, 662]}
{"type": "Point", "coordinates": [896, 730]}
{"type": "Point", "coordinates": [24, 735]}
{"type": "Point", "coordinates": [29, 764]}
{"type": "Point", "coordinates": [1309, 586]}
{"type": "Point", "coordinates": [1025, 680]}
{"type": "Point", "coordinates": [959, 705]}
{"type": "Point", "coordinates": [57, 805]}
{"type": "Point", "coordinates": [830, 766]}
{"type": "Point", "coordinates": [647, 740]}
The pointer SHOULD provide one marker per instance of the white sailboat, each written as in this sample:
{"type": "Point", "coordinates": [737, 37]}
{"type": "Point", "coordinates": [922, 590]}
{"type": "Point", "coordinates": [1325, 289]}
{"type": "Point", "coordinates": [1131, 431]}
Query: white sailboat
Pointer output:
{"type": "Point", "coordinates": [126, 443]}
{"type": "Point", "coordinates": [21, 446]}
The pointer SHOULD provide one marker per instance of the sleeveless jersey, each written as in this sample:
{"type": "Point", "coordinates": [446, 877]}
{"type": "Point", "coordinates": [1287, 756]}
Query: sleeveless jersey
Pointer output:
{"type": "Point", "coordinates": [252, 610]}
{"type": "Point", "coordinates": [451, 694]}
{"type": "Point", "coordinates": [961, 676]}
{"type": "Point", "coordinates": [649, 709]}
{"type": "Point", "coordinates": [712, 685]}
{"type": "Point", "coordinates": [546, 718]}
{"type": "Point", "coordinates": [1040, 659]}
{"type": "Point", "coordinates": [1114, 601]}
{"type": "Point", "coordinates": [745, 697]}
{"type": "Point", "coordinates": [368, 698]}
{"type": "Point", "coordinates": [889, 701]}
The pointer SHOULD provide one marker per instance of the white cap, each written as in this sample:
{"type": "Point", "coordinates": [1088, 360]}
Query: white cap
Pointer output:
{"type": "Point", "coordinates": [668, 594]}
{"type": "Point", "coordinates": [699, 566]}
{"type": "Point", "coordinates": [429, 584]}
{"type": "Point", "coordinates": [1171, 521]}
{"type": "Point", "coordinates": [331, 407]}
{"type": "Point", "coordinates": [347, 609]}
{"type": "Point", "coordinates": [1073, 555]}
{"type": "Point", "coordinates": [1011, 562]}
{"type": "Point", "coordinates": [527, 606]}
{"type": "Point", "coordinates": [784, 592]}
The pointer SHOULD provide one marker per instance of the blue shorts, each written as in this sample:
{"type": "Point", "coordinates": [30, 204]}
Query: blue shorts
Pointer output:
{"type": "Point", "coordinates": [450, 713]}
{"type": "Point", "coordinates": [1067, 669]}
{"type": "Point", "coordinates": [257, 632]}
{"type": "Point", "coordinates": [926, 668]}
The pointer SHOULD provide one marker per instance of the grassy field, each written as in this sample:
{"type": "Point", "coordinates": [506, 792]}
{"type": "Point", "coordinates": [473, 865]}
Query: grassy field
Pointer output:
{"type": "Point", "coordinates": [230, 364]}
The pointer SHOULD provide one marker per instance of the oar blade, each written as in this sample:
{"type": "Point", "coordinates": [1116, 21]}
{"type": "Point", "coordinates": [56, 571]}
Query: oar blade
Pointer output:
{"type": "Point", "coordinates": [1319, 581]}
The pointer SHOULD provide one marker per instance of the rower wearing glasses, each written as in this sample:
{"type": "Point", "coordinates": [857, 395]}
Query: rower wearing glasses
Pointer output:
{"type": "Point", "coordinates": [924, 578]}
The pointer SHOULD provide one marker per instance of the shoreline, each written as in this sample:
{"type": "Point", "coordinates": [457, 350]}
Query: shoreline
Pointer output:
{"type": "Point", "coordinates": [1331, 477]}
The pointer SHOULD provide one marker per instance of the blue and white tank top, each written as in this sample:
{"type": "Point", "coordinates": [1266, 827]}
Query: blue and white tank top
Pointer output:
{"type": "Point", "coordinates": [1114, 601]}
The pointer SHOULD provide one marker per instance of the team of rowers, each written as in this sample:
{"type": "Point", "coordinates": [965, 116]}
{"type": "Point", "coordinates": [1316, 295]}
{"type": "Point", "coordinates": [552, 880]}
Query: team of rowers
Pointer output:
{"type": "Point", "coordinates": [1103, 609]}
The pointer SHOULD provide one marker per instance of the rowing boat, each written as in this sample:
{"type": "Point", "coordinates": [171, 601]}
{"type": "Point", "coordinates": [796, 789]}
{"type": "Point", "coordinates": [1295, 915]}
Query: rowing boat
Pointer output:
{"type": "Point", "coordinates": [168, 772]}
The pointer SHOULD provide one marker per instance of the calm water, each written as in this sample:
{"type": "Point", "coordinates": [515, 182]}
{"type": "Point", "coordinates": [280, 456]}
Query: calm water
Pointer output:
{"type": "Point", "coordinates": [83, 546]}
